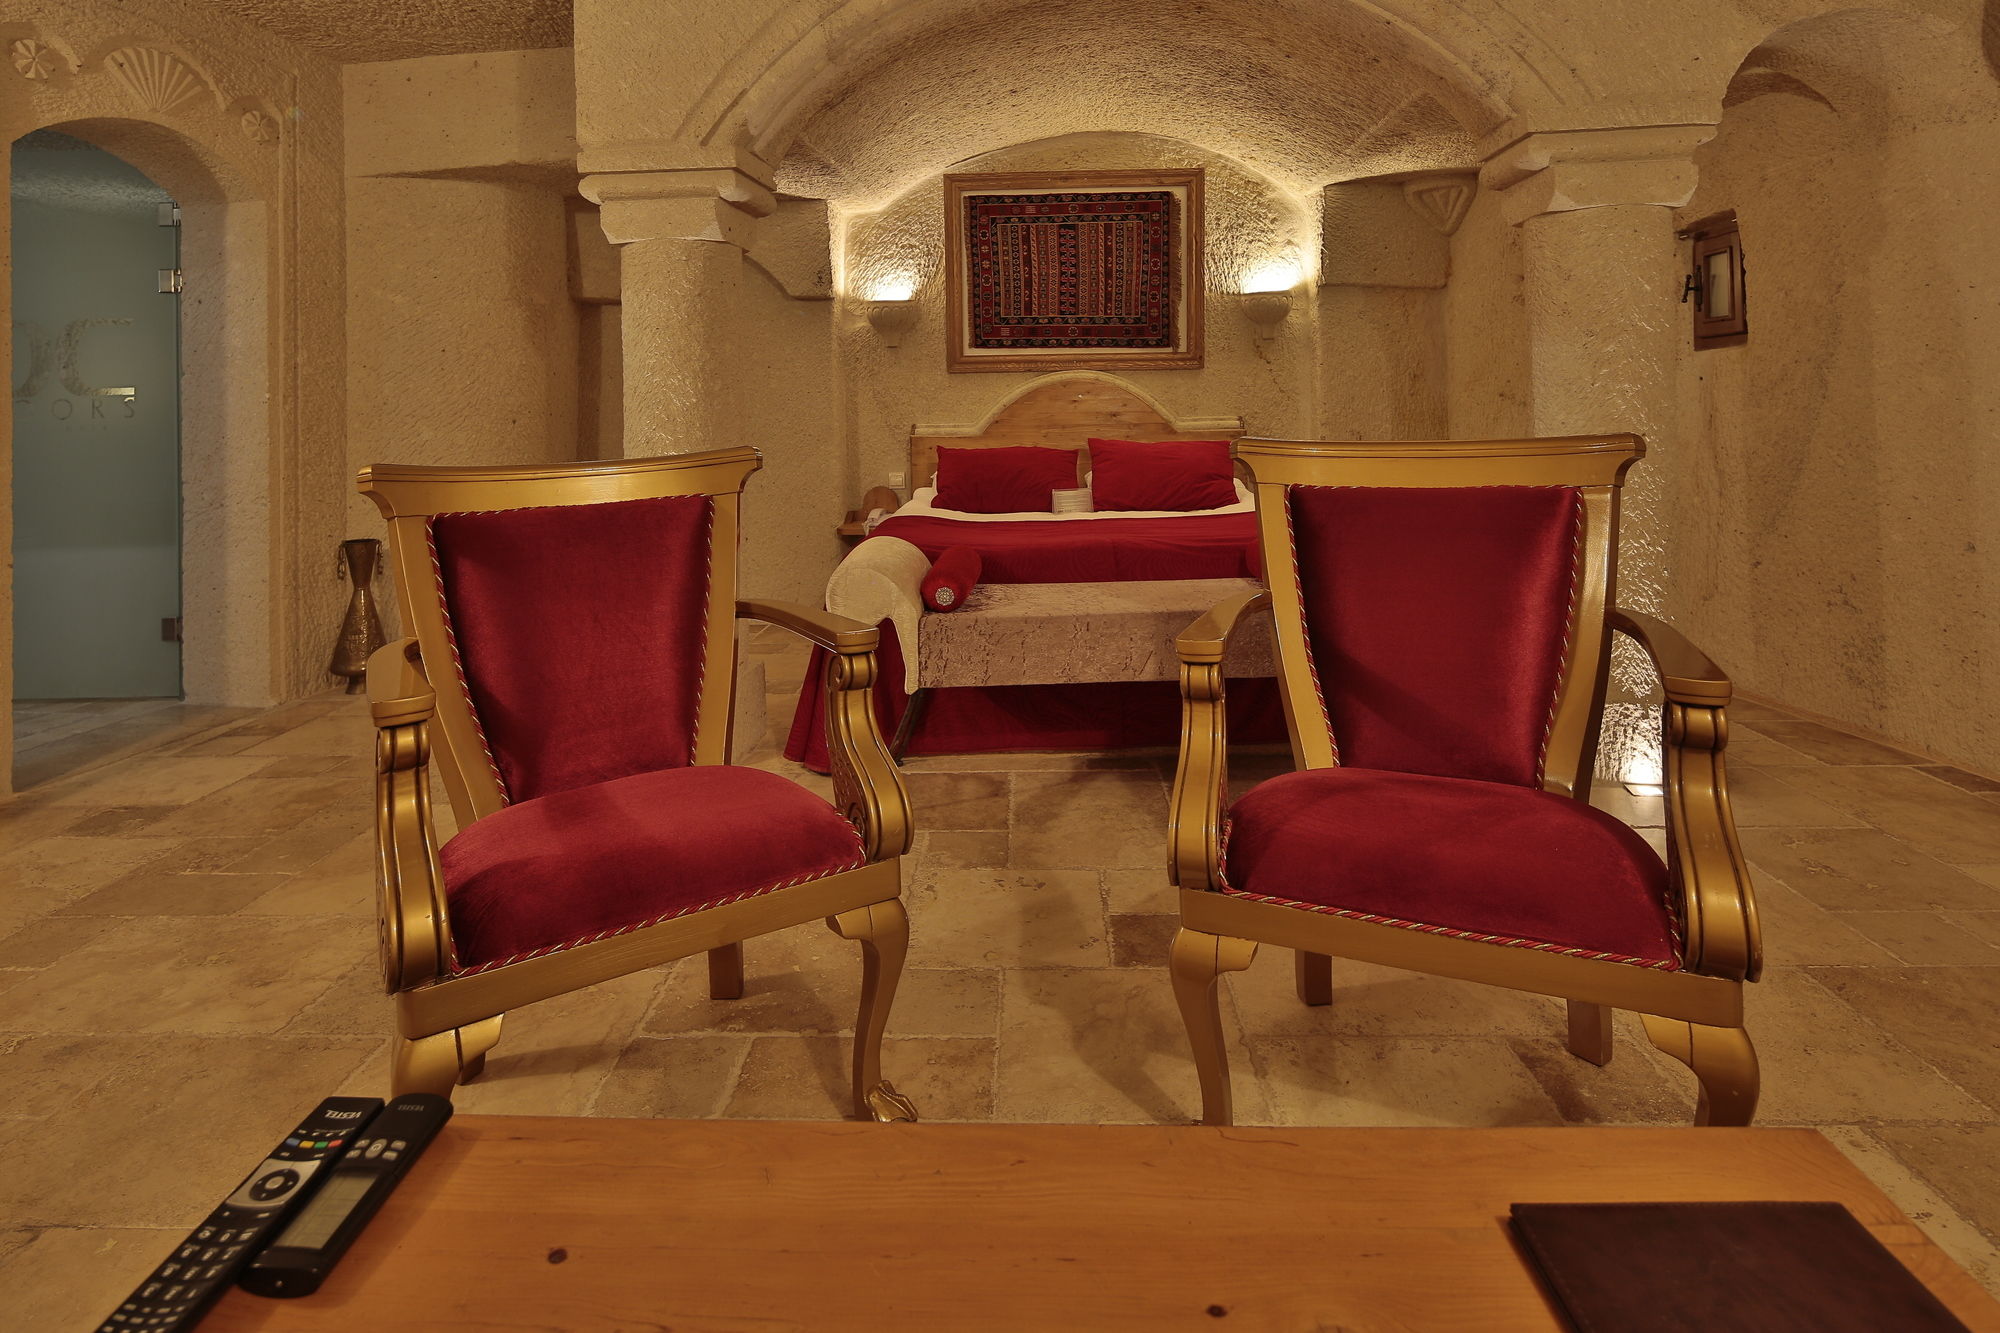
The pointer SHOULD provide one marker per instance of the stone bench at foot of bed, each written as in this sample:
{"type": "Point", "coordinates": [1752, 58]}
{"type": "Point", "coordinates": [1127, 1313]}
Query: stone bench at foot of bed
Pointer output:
{"type": "Point", "coordinates": [1079, 633]}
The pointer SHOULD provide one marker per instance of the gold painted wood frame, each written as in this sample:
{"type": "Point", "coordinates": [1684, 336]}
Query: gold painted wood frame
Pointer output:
{"type": "Point", "coordinates": [446, 1023]}
{"type": "Point", "coordinates": [1695, 1014]}
{"type": "Point", "coordinates": [1187, 263]}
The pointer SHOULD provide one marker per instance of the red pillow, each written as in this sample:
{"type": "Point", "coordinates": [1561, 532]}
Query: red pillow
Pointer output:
{"type": "Point", "coordinates": [1002, 481]}
{"type": "Point", "coordinates": [953, 576]}
{"type": "Point", "coordinates": [1125, 474]}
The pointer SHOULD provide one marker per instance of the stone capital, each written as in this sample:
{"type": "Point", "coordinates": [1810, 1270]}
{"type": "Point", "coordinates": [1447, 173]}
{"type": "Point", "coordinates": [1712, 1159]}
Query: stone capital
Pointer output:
{"type": "Point", "coordinates": [1567, 170]}
{"type": "Point", "coordinates": [697, 204]}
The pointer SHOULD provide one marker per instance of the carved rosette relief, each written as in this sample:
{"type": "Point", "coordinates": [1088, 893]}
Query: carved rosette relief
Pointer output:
{"type": "Point", "coordinates": [259, 127]}
{"type": "Point", "coordinates": [159, 80]}
{"type": "Point", "coordinates": [33, 59]}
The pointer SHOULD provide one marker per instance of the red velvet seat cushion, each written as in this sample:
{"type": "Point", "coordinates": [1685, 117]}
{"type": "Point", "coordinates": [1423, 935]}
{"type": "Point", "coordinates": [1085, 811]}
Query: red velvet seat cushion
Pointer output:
{"type": "Point", "coordinates": [593, 861]}
{"type": "Point", "coordinates": [1453, 856]}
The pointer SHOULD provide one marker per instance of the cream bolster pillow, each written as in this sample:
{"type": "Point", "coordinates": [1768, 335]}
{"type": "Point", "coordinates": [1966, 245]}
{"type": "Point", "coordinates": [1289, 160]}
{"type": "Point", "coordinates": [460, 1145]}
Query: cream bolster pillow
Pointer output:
{"type": "Point", "coordinates": [882, 579]}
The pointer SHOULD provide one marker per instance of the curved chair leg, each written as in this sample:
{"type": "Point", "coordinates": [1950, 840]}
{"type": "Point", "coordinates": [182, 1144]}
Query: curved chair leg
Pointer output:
{"type": "Point", "coordinates": [1723, 1060]}
{"type": "Point", "coordinates": [1313, 973]}
{"type": "Point", "coordinates": [1590, 1032]}
{"type": "Point", "coordinates": [725, 972]}
{"type": "Point", "coordinates": [1197, 960]}
{"type": "Point", "coordinates": [883, 930]}
{"type": "Point", "coordinates": [474, 1041]}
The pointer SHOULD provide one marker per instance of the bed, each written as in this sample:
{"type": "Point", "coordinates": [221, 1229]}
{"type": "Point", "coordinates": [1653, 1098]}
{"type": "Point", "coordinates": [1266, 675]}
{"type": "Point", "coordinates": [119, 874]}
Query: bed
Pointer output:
{"type": "Point", "coordinates": [877, 582]}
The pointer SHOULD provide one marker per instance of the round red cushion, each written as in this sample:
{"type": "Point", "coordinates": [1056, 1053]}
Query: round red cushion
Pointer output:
{"type": "Point", "coordinates": [953, 576]}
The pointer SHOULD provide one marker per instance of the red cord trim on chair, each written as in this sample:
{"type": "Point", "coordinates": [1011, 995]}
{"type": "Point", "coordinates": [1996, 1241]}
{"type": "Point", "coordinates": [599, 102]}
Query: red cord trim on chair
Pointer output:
{"type": "Point", "coordinates": [1511, 941]}
{"type": "Point", "coordinates": [701, 652]}
{"type": "Point", "coordinates": [1569, 636]}
{"type": "Point", "coordinates": [458, 662]}
{"type": "Point", "coordinates": [1305, 630]}
{"type": "Point", "coordinates": [793, 882]}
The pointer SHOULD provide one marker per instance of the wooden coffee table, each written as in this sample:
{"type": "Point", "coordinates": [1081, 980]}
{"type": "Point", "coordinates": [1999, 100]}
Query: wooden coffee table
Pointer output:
{"type": "Point", "coordinates": [578, 1224]}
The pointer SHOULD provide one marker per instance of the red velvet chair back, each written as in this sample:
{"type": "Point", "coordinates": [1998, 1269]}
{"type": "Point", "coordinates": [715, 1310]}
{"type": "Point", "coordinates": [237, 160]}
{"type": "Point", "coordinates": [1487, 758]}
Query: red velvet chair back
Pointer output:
{"type": "Point", "coordinates": [1440, 606]}
{"type": "Point", "coordinates": [577, 621]}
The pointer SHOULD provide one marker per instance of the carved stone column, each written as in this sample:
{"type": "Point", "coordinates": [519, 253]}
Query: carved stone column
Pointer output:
{"type": "Point", "coordinates": [681, 236]}
{"type": "Point", "coordinates": [1601, 278]}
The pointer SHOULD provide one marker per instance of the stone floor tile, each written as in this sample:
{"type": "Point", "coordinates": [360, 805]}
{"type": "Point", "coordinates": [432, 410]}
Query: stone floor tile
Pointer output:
{"type": "Point", "coordinates": [1386, 1001]}
{"type": "Point", "coordinates": [1830, 745]}
{"type": "Point", "coordinates": [1031, 761]}
{"type": "Point", "coordinates": [191, 975]}
{"type": "Point", "coordinates": [354, 1005]}
{"type": "Point", "coordinates": [67, 1278]}
{"type": "Point", "coordinates": [1944, 1178]}
{"type": "Point", "coordinates": [269, 806]}
{"type": "Point", "coordinates": [26, 819]}
{"type": "Point", "coordinates": [1638, 811]}
{"type": "Point", "coordinates": [1799, 932]}
{"type": "Point", "coordinates": [1141, 891]}
{"type": "Point", "coordinates": [961, 849]}
{"type": "Point", "coordinates": [1832, 1054]}
{"type": "Point", "coordinates": [1106, 1046]}
{"type": "Point", "coordinates": [1765, 798]}
{"type": "Point", "coordinates": [958, 800]}
{"type": "Point", "coordinates": [49, 939]}
{"type": "Point", "coordinates": [1092, 818]}
{"type": "Point", "coordinates": [686, 1077]}
{"type": "Point", "coordinates": [1978, 925]}
{"type": "Point", "coordinates": [151, 893]}
{"type": "Point", "coordinates": [49, 873]}
{"type": "Point", "coordinates": [1750, 746]}
{"type": "Point", "coordinates": [1925, 939]}
{"type": "Point", "coordinates": [1959, 778]}
{"type": "Point", "coordinates": [1405, 1081]}
{"type": "Point", "coordinates": [1007, 918]}
{"type": "Point", "coordinates": [554, 1054]}
{"type": "Point", "coordinates": [1944, 1014]}
{"type": "Point", "coordinates": [340, 735]}
{"type": "Point", "coordinates": [1142, 939]}
{"type": "Point", "coordinates": [76, 1169]}
{"type": "Point", "coordinates": [1863, 869]}
{"type": "Point", "coordinates": [118, 821]}
{"type": "Point", "coordinates": [808, 1078]}
{"type": "Point", "coordinates": [1633, 1089]}
{"type": "Point", "coordinates": [148, 781]}
{"type": "Point", "coordinates": [1985, 874]}
{"type": "Point", "coordinates": [1935, 817]}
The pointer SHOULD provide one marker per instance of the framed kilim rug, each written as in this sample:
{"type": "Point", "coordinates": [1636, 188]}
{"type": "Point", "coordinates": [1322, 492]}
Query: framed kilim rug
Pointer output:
{"type": "Point", "coordinates": [1097, 269]}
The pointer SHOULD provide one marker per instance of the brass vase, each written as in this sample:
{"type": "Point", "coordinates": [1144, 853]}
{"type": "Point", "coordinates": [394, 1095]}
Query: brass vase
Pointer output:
{"type": "Point", "coordinates": [361, 630]}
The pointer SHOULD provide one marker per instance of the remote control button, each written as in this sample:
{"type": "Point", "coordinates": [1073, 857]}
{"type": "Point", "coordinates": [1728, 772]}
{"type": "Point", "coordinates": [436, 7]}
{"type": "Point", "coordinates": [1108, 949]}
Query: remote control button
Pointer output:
{"type": "Point", "coordinates": [187, 1252]}
{"type": "Point", "coordinates": [274, 1184]}
{"type": "Point", "coordinates": [206, 1233]}
{"type": "Point", "coordinates": [374, 1148]}
{"type": "Point", "coordinates": [150, 1289]}
{"type": "Point", "coordinates": [399, 1145]}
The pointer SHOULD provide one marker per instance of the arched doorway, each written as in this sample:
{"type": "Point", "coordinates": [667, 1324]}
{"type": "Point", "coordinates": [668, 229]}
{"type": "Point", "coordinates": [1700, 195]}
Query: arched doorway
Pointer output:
{"type": "Point", "coordinates": [96, 382]}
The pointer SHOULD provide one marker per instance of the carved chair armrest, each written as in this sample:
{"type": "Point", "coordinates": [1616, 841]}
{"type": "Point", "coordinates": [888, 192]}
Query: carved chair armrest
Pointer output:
{"type": "Point", "coordinates": [1704, 858]}
{"type": "Point", "coordinates": [1201, 779]}
{"type": "Point", "coordinates": [867, 785]}
{"type": "Point", "coordinates": [414, 927]}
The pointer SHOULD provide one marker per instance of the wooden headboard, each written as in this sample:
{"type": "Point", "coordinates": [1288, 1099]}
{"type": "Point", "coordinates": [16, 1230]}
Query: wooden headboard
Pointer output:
{"type": "Point", "coordinates": [1061, 412]}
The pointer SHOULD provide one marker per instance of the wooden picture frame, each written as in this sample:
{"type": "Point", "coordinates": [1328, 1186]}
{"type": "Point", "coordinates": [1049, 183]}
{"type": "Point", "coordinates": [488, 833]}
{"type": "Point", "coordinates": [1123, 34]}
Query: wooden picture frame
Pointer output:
{"type": "Point", "coordinates": [988, 254]}
{"type": "Point", "coordinates": [1716, 283]}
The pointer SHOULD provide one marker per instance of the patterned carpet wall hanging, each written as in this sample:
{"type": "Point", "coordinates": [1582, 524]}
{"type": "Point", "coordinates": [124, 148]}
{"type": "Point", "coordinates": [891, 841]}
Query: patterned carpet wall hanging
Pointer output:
{"type": "Point", "coordinates": [1098, 269]}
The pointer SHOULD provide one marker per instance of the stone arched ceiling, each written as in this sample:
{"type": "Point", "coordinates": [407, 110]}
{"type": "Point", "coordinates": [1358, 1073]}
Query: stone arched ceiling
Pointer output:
{"type": "Point", "coordinates": [1304, 91]}
{"type": "Point", "coordinates": [346, 32]}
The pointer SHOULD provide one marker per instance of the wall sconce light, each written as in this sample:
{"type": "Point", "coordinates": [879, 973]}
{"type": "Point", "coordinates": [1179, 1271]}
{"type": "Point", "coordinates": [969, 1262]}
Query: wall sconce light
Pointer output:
{"type": "Point", "coordinates": [1267, 310]}
{"type": "Point", "coordinates": [892, 319]}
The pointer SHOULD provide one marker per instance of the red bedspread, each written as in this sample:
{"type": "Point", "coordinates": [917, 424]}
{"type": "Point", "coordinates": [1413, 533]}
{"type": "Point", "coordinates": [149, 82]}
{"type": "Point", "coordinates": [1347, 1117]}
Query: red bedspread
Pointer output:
{"type": "Point", "coordinates": [1099, 550]}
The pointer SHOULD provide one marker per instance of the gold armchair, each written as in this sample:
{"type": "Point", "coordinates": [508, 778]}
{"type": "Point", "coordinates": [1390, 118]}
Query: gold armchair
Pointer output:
{"type": "Point", "coordinates": [573, 657]}
{"type": "Point", "coordinates": [1443, 627]}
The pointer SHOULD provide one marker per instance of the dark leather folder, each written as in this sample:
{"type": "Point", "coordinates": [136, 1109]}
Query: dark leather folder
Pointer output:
{"type": "Point", "coordinates": [1721, 1268]}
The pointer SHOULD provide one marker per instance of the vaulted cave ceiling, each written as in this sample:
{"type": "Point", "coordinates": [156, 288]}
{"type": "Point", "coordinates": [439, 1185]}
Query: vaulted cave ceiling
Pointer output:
{"type": "Point", "coordinates": [349, 31]}
{"type": "Point", "coordinates": [1304, 91]}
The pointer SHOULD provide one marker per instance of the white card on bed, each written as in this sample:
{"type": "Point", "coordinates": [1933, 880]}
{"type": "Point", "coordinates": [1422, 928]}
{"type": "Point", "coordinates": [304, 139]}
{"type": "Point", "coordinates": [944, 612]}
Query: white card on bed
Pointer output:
{"type": "Point", "coordinates": [1070, 502]}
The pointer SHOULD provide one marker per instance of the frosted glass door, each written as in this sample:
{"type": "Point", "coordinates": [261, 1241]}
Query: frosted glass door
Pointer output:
{"type": "Point", "coordinates": [96, 429]}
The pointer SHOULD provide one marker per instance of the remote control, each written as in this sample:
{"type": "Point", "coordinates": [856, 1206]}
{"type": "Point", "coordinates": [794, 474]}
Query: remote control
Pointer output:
{"type": "Point", "coordinates": [181, 1289]}
{"type": "Point", "coordinates": [307, 1249]}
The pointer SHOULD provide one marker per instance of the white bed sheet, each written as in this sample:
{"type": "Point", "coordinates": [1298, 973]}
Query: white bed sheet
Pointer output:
{"type": "Point", "coordinates": [921, 505]}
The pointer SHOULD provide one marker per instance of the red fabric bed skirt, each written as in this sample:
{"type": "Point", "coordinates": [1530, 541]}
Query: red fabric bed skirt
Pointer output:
{"type": "Point", "coordinates": [1110, 716]}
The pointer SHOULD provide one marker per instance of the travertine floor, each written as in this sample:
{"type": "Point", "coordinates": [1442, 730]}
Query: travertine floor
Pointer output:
{"type": "Point", "coordinates": [187, 963]}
